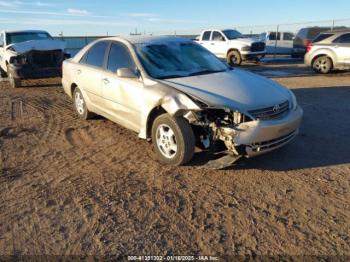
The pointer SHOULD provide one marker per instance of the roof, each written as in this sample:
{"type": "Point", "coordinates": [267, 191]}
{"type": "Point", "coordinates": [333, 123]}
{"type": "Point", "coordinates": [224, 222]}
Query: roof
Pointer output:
{"type": "Point", "coordinates": [347, 30]}
{"type": "Point", "coordinates": [148, 39]}
{"type": "Point", "coordinates": [24, 31]}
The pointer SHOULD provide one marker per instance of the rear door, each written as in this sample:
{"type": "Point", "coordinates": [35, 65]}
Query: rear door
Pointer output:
{"type": "Point", "coordinates": [273, 43]}
{"type": "Point", "coordinates": [123, 97]}
{"type": "Point", "coordinates": [342, 48]}
{"type": "Point", "coordinates": [205, 41]}
{"type": "Point", "coordinates": [89, 72]}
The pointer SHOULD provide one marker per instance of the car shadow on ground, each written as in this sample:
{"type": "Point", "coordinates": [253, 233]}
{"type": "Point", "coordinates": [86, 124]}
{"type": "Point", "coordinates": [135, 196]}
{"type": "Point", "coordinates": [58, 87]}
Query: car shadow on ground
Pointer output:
{"type": "Point", "coordinates": [323, 140]}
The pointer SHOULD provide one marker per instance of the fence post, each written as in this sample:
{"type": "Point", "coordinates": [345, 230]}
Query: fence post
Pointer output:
{"type": "Point", "coordinates": [274, 53]}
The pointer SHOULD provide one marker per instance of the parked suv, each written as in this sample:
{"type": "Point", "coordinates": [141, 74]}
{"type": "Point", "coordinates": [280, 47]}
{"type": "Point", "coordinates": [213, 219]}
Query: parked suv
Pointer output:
{"type": "Point", "coordinates": [30, 54]}
{"type": "Point", "coordinates": [305, 36]}
{"type": "Point", "coordinates": [231, 45]}
{"type": "Point", "coordinates": [179, 95]}
{"type": "Point", "coordinates": [329, 50]}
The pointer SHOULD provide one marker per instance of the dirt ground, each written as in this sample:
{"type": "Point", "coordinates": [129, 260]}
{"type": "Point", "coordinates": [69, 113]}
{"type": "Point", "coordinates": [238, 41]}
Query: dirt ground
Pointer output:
{"type": "Point", "coordinates": [74, 187]}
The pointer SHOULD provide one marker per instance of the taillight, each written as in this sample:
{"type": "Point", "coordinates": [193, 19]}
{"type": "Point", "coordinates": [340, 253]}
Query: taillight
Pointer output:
{"type": "Point", "coordinates": [308, 47]}
{"type": "Point", "coordinates": [306, 42]}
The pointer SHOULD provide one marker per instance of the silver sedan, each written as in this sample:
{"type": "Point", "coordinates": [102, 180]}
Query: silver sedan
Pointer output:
{"type": "Point", "coordinates": [175, 93]}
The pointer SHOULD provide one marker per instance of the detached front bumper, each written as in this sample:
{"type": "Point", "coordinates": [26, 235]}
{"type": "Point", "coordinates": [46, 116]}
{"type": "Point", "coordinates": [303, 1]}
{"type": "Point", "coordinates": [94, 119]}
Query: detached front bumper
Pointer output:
{"type": "Point", "coordinates": [259, 137]}
{"type": "Point", "coordinates": [28, 71]}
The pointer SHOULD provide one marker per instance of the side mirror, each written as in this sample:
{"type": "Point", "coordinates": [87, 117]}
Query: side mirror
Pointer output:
{"type": "Point", "coordinates": [126, 73]}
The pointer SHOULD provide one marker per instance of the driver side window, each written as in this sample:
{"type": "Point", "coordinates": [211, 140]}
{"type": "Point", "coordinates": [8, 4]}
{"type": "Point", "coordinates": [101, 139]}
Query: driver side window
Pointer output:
{"type": "Point", "coordinates": [119, 57]}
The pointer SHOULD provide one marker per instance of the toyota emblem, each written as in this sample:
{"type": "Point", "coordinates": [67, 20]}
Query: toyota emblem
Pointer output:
{"type": "Point", "coordinates": [276, 108]}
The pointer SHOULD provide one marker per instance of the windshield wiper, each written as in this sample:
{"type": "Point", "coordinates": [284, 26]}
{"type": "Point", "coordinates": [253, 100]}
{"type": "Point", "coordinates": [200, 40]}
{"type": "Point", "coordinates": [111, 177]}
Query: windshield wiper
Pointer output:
{"type": "Point", "coordinates": [205, 72]}
{"type": "Point", "coordinates": [171, 76]}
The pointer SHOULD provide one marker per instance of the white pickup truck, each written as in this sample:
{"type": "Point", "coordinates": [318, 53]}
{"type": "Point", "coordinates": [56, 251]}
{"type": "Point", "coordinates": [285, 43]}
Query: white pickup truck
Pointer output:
{"type": "Point", "coordinates": [30, 54]}
{"type": "Point", "coordinates": [231, 45]}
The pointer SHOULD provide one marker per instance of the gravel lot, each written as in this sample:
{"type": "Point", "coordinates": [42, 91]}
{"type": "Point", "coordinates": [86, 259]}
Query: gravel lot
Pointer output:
{"type": "Point", "coordinates": [71, 187]}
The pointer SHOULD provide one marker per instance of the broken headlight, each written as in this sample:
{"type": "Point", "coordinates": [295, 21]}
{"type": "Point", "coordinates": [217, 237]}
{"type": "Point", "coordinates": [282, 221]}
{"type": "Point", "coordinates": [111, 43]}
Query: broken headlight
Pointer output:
{"type": "Point", "coordinates": [18, 60]}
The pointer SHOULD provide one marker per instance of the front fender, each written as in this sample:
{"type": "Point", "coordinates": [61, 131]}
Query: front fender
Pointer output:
{"type": "Point", "coordinates": [173, 102]}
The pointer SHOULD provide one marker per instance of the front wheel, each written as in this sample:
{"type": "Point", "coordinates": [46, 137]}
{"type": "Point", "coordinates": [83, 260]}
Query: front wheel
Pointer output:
{"type": "Point", "coordinates": [234, 58]}
{"type": "Point", "coordinates": [322, 64]}
{"type": "Point", "coordinates": [173, 140]}
{"type": "Point", "coordinates": [80, 105]}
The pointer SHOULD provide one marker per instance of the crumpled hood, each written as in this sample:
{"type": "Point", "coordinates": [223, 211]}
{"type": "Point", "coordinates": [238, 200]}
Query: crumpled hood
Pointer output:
{"type": "Point", "coordinates": [39, 45]}
{"type": "Point", "coordinates": [235, 89]}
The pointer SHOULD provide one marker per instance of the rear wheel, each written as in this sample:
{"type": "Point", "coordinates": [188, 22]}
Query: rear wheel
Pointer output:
{"type": "Point", "coordinates": [234, 58]}
{"type": "Point", "coordinates": [322, 64]}
{"type": "Point", "coordinates": [173, 140]}
{"type": "Point", "coordinates": [80, 105]}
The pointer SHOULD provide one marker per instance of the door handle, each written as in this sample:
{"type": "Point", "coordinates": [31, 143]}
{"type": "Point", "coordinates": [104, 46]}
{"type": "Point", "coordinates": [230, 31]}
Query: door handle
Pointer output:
{"type": "Point", "coordinates": [106, 81]}
{"type": "Point", "coordinates": [78, 71]}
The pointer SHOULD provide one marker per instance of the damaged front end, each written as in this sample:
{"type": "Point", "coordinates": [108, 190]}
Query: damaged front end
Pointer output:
{"type": "Point", "coordinates": [37, 64]}
{"type": "Point", "coordinates": [217, 125]}
{"type": "Point", "coordinates": [239, 134]}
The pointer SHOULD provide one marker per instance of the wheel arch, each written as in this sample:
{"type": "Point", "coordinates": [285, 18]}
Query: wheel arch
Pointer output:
{"type": "Point", "coordinates": [73, 86]}
{"type": "Point", "coordinates": [233, 49]}
{"type": "Point", "coordinates": [154, 113]}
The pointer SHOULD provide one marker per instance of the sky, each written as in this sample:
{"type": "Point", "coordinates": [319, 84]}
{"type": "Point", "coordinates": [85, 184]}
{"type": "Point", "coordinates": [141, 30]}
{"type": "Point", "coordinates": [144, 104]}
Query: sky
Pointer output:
{"type": "Point", "coordinates": [120, 17]}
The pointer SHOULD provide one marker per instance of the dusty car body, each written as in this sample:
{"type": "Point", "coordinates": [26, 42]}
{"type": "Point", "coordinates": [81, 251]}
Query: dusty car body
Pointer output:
{"type": "Point", "coordinates": [248, 114]}
{"type": "Point", "coordinates": [30, 54]}
{"type": "Point", "coordinates": [329, 51]}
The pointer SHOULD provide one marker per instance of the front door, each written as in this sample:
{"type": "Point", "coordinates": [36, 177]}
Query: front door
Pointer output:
{"type": "Point", "coordinates": [123, 97]}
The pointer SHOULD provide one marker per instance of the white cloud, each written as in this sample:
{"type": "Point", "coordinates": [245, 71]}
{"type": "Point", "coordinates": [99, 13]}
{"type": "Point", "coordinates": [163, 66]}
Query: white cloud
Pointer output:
{"type": "Point", "coordinates": [77, 11]}
{"type": "Point", "coordinates": [6, 4]}
{"type": "Point", "coordinates": [141, 15]}
{"type": "Point", "coordinates": [29, 12]}
{"type": "Point", "coordinates": [14, 4]}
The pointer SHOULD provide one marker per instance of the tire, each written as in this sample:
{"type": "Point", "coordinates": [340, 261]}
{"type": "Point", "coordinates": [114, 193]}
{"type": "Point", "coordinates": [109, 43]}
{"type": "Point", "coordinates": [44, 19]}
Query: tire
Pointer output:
{"type": "Point", "coordinates": [234, 58]}
{"type": "Point", "coordinates": [173, 140]}
{"type": "Point", "coordinates": [322, 64]}
{"type": "Point", "coordinates": [3, 74]}
{"type": "Point", "coordinates": [80, 105]}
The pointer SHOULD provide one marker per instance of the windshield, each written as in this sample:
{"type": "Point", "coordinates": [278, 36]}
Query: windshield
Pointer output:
{"type": "Point", "coordinates": [232, 34]}
{"type": "Point", "coordinates": [177, 59]}
{"type": "Point", "coordinates": [13, 38]}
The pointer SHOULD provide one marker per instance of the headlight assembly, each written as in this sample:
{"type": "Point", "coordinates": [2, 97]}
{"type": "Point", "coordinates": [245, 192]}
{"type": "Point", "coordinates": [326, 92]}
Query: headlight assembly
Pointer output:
{"type": "Point", "coordinates": [246, 48]}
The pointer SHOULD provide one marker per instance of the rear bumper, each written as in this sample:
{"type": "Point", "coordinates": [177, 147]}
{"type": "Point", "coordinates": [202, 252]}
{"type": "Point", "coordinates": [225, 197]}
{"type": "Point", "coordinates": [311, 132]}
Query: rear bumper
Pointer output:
{"type": "Point", "coordinates": [260, 137]}
{"type": "Point", "coordinates": [307, 59]}
{"type": "Point", "coordinates": [33, 72]}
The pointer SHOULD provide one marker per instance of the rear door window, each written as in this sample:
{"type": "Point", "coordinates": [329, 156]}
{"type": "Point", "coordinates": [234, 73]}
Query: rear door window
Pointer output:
{"type": "Point", "coordinates": [343, 39]}
{"type": "Point", "coordinates": [272, 36]}
{"type": "Point", "coordinates": [206, 36]}
{"type": "Point", "coordinates": [96, 55]}
{"type": "Point", "coordinates": [321, 37]}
